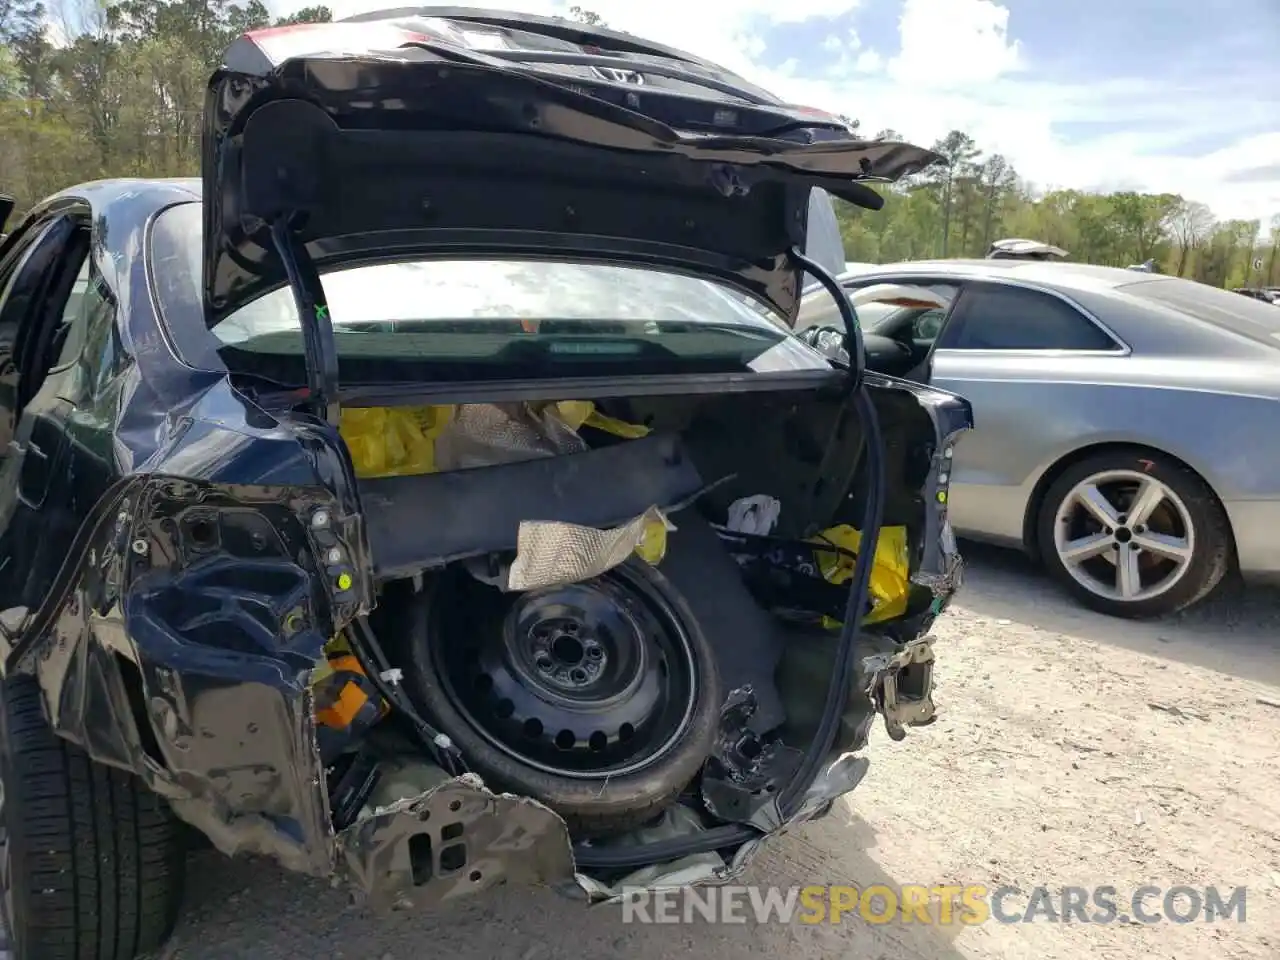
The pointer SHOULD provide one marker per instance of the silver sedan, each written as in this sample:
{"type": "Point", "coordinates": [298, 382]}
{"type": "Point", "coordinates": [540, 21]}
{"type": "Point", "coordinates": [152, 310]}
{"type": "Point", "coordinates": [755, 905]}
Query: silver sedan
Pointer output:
{"type": "Point", "coordinates": [1127, 425]}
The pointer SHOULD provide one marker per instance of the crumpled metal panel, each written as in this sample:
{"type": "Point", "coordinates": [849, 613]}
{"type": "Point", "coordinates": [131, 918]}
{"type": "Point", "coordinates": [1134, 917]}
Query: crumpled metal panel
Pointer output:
{"type": "Point", "coordinates": [453, 841]}
{"type": "Point", "coordinates": [940, 568]}
{"type": "Point", "coordinates": [677, 822]}
{"type": "Point", "coordinates": [195, 607]}
{"type": "Point", "coordinates": [745, 771]}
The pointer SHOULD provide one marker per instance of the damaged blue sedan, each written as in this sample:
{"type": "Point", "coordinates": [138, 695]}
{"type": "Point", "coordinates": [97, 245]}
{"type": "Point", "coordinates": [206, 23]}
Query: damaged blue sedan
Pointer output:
{"type": "Point", "coordinates": [434, 494]}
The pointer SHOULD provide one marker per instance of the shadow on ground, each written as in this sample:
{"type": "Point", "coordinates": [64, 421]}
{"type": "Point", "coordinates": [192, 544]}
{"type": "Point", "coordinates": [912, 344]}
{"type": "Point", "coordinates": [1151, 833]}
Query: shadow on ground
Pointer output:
{"type": "Point", "coordinates": [250, 908]}
{"type": "Point", "coordinates": [1235, 631]}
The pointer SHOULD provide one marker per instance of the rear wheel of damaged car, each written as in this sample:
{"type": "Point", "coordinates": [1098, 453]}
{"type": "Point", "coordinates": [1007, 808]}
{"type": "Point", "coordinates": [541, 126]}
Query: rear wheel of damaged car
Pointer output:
{"type": "Point", "coordinates": [599, 698]}
{"type": "Point", "coordinates": [1134, 533]}
{"type": "Point", "coordinates": [92, 861]}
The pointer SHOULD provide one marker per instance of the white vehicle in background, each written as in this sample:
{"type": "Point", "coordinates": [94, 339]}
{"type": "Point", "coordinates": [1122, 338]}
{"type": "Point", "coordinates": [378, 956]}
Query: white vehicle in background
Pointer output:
{"type": "Point", "coordinates": [1019, 249]}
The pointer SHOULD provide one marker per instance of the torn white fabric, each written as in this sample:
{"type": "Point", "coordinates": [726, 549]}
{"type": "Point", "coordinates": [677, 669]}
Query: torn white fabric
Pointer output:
{"type": "Point", "coordinates": [484, 434]}
{"type": "Point", "coordinates": [549, 554]}
{"type": "Point", "coordinates": [754, 515]}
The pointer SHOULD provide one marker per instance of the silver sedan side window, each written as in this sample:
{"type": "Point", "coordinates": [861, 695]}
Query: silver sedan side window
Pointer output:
{"type": "Point", "coordinates": [997, 317]}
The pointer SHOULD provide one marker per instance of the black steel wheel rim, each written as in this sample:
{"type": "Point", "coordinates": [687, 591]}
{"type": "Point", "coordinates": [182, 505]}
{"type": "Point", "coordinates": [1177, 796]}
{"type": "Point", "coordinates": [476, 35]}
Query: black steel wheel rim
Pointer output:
{"type": "Point", "coordinates": [587, 680]}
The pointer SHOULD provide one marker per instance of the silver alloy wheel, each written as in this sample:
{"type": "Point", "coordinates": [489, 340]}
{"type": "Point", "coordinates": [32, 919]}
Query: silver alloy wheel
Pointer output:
{"type": "Point", "coordinates": [1124, 535]}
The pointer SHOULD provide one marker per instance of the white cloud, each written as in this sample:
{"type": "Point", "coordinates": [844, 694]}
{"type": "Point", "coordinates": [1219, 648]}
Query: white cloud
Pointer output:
{"type": "Point", "coordinates": [845, 56]}
{"type": "Point", "coordinates": [722, 31]}
{"type": "Point", "coordinates": [958, 68]}
{"type": "Point", "coordinates": [953, 43]}
{"type": "Point", "coordinates": [1023, 119]}
{"type": "Point", "coordinates": [868, 61]}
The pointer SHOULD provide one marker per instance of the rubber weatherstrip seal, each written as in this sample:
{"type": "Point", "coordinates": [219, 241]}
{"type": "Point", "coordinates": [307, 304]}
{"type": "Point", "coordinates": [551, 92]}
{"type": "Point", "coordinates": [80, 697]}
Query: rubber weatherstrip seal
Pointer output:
{"type": "Point", "coordinates": [792, 796]}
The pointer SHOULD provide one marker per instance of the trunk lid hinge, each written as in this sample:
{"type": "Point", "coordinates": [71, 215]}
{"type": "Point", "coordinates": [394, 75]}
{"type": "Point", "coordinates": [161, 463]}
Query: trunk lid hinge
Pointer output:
{"type": "Point", "coordinates": [317, 327]}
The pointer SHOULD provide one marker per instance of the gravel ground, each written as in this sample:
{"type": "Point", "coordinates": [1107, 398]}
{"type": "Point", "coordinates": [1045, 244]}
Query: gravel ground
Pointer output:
{"type": "Point", "coordinates": [1071, 750]}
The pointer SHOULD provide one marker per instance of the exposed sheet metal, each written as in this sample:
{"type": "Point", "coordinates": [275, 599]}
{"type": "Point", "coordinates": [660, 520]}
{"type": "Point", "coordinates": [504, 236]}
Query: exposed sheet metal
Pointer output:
{"type": "Point", "coordinates": [452, 841]}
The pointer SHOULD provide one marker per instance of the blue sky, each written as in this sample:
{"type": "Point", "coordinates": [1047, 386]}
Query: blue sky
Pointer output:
{"type": "Point", "coordinates": [1167, 95]}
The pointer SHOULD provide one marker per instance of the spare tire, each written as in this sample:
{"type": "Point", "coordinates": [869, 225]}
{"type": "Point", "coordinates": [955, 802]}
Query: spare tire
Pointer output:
{"type": "Point", "coordinates": [601, 698]}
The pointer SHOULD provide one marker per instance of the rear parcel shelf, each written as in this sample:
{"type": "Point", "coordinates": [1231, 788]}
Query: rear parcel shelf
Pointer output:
{"type": "Point", "coordinates": [426, 520]}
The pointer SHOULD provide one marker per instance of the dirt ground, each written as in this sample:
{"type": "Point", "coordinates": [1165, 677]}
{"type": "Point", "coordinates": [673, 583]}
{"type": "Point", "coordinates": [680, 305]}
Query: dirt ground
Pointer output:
{"type": "Point", "coordinates": [1071, 750]}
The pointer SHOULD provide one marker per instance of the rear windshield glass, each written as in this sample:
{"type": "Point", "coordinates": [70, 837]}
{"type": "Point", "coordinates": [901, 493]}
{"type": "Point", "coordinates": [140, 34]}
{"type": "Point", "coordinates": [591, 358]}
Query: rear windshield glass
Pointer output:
{"type": "Point", "coordinates": [480, 319]}
{"type": "Point", "coordinates": [1222, 308]}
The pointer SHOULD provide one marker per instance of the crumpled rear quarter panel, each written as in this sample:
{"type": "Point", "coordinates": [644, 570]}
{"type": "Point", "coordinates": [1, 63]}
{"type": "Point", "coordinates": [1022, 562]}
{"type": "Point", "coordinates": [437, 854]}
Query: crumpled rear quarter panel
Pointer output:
{"type": "Point", "coordinates": [181, 644]}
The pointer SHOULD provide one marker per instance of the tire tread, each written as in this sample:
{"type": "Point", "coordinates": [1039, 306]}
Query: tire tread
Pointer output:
{"type": "Point", "coordinates": [98, 863]}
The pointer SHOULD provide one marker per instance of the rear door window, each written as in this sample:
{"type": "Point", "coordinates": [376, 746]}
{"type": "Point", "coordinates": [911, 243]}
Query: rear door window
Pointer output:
{"type": "Point", "coordinates": [997, 317]}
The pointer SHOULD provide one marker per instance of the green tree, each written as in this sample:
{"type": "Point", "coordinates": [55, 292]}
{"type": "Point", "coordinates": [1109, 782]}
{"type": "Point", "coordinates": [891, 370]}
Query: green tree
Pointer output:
{"type": "Point", "coordinates": [589, 17]}
{"type": "Point", "coordinates": [307, 15]}
{"type": "Point", "coordinates": [958, 152]}
{"type": "Point", "coordinates": [1242, 272]}
{"type": "Point", "coordinates": [1275, 248]}
{"type": "Point", "coordinates": [10, 77]}
{"type": "Point", "coordinates": [997, 180]}
{"type": "Point", "coordinates": [1143, 222]}
{"type": "Point", "coordinates": [1191, 223]}
{"type": "Point", "coordinates": [26, 48]}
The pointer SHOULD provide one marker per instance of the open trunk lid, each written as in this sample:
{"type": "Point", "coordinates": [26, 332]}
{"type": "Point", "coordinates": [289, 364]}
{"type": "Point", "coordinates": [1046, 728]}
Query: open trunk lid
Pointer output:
{"type": "Point", "coordinates": [333, 144]}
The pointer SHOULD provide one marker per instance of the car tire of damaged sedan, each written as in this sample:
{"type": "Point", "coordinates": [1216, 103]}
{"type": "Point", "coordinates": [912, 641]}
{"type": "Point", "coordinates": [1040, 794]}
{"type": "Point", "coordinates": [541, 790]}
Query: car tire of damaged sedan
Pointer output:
{"type": "Point", "coordinates": [93, 860]}
{"type": "Point", "coordinates": [598, 698]}
{"type": "Point", "coordinates": [1134, 533]}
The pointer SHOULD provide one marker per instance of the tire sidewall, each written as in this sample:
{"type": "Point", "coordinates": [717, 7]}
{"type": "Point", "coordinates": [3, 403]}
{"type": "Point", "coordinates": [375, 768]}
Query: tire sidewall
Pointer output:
{"type": "Point", "coordinates": [593, 800]}
{"type": "Point", "coordinates": [14, 818]}
{"type": "Point", "coordinates": [1212, 534]}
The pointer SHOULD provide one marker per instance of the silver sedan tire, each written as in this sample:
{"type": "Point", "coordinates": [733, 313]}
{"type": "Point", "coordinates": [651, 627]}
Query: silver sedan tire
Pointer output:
{"type": "Point", "coordinates": [1134, 533]}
